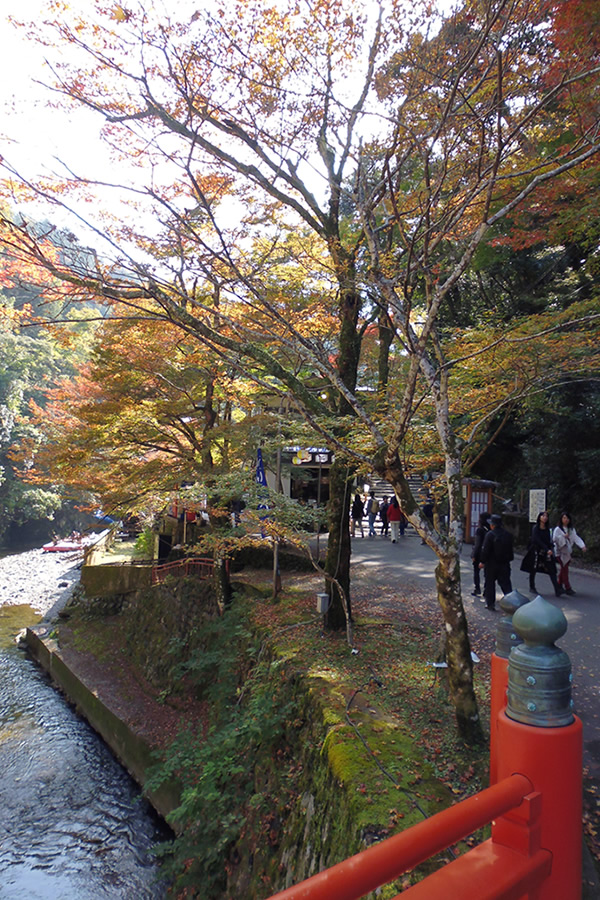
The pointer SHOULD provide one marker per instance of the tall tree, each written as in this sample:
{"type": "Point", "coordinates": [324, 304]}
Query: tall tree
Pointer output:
{"type": "Point", "coordinates": [251, 103]}
{"type": "Point", "coordinates": [143, 415]}
{"type": "Point", "coordinates": [485, 139]}
{"type": "Point", "coordinates": [264, 101]}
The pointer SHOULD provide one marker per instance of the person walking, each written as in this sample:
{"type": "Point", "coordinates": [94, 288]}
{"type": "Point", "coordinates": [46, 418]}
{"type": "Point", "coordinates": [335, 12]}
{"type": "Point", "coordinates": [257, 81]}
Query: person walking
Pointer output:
{"type": "Point", "coordinates": [495, 559]}
{"type": "Point", "coordinates": [383, 515]}
{"type": "Point", "coordinates": [564, 536]}
{"type": "Point", "coordinates": [540, 554]}
{"type": "Point", "coordinates": [395, 517]}
{"type": "Point", "coordinates": [480, 532]}
{"type": "Point", "coordinates": [356, 515]}
{"type": "Point", "coordinates": [372, 512]}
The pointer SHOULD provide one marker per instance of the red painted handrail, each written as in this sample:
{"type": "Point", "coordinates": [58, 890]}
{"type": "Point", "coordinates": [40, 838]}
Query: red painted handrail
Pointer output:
{"type": "Point", "coordinates": [200, 566]}
{"type": "Point", "coordinates": [383, 862]}
{"type": "Point", "coordinates": [488, 872]}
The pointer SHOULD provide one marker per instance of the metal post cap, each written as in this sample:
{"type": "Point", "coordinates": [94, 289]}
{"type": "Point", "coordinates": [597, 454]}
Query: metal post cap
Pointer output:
{"type": "Point", "coordinates": [539, 673]}
{"type": "Point", "coordinates": [506, 636]}
{"type": "Point", "coordinates": [513, 601]}
{"type": "Point", "coordinates": [538, 622]}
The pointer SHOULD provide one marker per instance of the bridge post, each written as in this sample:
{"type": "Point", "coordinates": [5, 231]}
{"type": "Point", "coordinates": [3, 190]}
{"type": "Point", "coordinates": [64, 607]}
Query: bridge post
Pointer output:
{"type": "Point", "coordinates": [539, 737]}
{"type": "Point", "coordinates": [506, 639]}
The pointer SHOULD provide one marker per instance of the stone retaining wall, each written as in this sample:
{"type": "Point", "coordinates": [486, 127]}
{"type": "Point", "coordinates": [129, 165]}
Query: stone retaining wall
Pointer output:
{"type": "Point", "coordinates": [105, 580]}
{"type": "Point", "coordinates": [133, 752]}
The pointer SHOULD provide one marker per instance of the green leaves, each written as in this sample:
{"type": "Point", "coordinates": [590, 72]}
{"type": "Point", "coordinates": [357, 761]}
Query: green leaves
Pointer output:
{"type": "Point", "coordinates": [250, 711]}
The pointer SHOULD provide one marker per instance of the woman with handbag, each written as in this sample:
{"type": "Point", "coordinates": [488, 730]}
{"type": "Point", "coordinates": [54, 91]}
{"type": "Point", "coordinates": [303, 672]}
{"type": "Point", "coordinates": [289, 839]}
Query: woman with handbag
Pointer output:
{"type": "Point", "coordinates": [540, 555]}
{"type": "Point", "coordinates": [564, 537]}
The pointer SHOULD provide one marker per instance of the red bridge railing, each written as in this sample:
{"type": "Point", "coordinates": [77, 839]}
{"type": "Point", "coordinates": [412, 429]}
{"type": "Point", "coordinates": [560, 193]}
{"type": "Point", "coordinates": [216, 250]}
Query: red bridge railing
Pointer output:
{"type": "Point", "coordinates": [199, 567]}
{"type": "Point", "coordinates": [534, 804]}
{"type": "Point", "coordinates": [382, 863]}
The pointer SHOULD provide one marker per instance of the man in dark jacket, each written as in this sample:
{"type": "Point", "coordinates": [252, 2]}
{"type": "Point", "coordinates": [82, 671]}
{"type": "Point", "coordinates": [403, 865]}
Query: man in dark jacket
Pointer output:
{"type": "Point", "coordinates": [496, 557]}
{"type": "Point", "coordinates": [480, 533]}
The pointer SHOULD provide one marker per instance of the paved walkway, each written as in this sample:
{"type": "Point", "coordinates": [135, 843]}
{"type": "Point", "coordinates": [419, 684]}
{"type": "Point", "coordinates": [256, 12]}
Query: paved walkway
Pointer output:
{"type": "Point", "coordinates": [408, 567]}
{"type": "Point", "coordinates": [412, 563]}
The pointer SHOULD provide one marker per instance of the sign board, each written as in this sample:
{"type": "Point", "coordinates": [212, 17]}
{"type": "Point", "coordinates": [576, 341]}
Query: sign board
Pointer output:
{"type": "Point", "coordinates": [537, 504]}
{"type": "Point", "coordinates": [312, 456]}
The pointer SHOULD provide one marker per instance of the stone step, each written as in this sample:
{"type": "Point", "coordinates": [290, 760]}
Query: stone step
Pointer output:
{"type": "Point", "coordinates": [384, 489]}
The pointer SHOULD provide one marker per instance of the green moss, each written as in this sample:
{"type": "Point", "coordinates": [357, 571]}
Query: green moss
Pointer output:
{"type": "Point", "coordinates": [13, 619]}
{"type": "Point", "coordinates": [347, 764]}
{"type": "Point", "coordinates": [92, 636]}
{"type": "Point", "coordinates": [345, 758]}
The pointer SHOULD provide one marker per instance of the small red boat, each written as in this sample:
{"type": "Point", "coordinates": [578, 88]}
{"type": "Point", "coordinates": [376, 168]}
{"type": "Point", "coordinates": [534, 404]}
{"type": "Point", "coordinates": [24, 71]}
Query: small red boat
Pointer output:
{"type": "Point", "coordinates": [75, 542]}
{"type": "Point", "coordinates": [65, 546]}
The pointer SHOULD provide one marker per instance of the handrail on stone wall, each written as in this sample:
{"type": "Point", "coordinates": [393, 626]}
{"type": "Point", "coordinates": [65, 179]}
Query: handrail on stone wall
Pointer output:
{"type": "Point", "coordinates": [387, 860]}
{"type": "Point", "coordinates": [201, 567]}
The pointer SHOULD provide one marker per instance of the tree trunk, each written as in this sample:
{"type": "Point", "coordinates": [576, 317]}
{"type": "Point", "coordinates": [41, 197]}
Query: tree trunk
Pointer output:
{"type": "Point", "coordinates": [222, 584]}
{"type": "Point", "coordinates": [337, 562]}
{"type": "Point", "coordinates": [220, 519]}
{"type": "Point", "coordinates": [458, 648]}
{"type": "Point", "coordinates": [386, 337]}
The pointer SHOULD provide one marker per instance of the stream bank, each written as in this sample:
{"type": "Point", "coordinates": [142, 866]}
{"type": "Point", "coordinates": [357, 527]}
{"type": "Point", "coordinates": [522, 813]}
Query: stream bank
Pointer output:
{"type": "Point", "coordinates": [72, 824]}
{"type": "Point", "coordinates": [277, 780]}
{"type": "Point", "coordinates": [316, 794]}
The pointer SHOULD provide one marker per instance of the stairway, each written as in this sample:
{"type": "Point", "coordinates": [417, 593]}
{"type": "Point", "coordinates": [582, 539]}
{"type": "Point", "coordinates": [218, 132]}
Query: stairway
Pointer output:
{"type": "Point", "coordinates": [384, 489]}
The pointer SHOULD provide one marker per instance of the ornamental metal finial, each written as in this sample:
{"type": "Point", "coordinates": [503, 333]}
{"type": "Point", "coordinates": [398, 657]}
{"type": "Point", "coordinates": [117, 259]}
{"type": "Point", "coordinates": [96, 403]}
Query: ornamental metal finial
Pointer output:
{"type": "Point", "coordinates": [539, 673]}
{"type": "Point", "coordinates": [506, 636]}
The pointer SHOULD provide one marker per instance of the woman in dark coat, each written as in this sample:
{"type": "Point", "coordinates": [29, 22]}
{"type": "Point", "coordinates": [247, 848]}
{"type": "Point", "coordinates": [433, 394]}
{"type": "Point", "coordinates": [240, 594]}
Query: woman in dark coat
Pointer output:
{"type": "Point", "coordinates": [480, 533]}
{"type": "Point", "coordinates": [543, 553]}
{"type": "Point", "coordinates": [383, 515]}
{"type": "Point", "coordinates": [356, 515]}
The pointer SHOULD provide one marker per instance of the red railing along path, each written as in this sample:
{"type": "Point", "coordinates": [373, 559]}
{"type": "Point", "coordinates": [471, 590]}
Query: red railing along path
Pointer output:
{"type": "Point", "coordinates": [199, 567]}
{"type": "Point", "coordinates": [383, 862]}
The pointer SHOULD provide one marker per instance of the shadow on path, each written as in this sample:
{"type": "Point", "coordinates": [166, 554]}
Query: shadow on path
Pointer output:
{"type": "Point", "coordinates": [400, 578]}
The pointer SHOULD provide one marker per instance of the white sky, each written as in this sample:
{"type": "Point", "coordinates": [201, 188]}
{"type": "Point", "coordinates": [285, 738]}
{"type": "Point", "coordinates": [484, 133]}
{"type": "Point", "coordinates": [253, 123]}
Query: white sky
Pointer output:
{"type": "Point", "coordinates": [32, 137]}
{"type": "Point", "coordinates": [31, 134]}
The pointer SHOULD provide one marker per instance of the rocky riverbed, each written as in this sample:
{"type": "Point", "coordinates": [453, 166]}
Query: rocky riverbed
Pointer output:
{"type": "Point", "coordinates": [43, 581]}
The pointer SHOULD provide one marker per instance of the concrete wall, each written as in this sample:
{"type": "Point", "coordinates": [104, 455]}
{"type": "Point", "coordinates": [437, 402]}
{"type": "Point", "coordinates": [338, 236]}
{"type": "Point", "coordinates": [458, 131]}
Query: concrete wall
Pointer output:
{"type": "Point", "coordinates": [132, 751]}
{"type": "Point", "coordinates": [101, 581]}
{"type": "Point", "coordinates": [102, 541]}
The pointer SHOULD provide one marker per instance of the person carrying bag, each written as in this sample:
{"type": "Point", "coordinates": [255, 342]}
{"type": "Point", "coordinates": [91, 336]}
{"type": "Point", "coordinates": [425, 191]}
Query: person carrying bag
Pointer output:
{"type": "Point", "coordinates": [564, 538]}
{"type": "Point", "coordinates": [540, 555]}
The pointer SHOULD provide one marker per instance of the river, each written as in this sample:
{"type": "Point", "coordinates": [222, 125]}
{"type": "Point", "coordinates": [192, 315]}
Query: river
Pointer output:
{"type": "Point", "coordinates": [72, 824]}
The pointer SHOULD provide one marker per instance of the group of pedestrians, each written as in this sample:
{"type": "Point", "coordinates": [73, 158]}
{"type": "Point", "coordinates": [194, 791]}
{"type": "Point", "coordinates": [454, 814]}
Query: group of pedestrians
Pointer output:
{"type": "Point", "coordinates": [549, 549]}
{"type": "Point", "coordinates": [392, 519]}
{"type": "Point", "coordinates": [493, 553]}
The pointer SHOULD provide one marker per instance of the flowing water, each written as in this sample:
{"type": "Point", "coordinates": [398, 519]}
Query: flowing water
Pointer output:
{"type": "Point", "coordinates": [72, 826]}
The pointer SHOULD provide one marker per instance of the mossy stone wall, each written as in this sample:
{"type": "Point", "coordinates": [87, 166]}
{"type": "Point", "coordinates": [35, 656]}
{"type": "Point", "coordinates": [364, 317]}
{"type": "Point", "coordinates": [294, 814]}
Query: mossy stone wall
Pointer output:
{"type": "Point", "coordinates": [315, 817]}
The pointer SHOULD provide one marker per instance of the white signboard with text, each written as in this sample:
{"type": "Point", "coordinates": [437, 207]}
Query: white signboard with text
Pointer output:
{"type": "Point", "coordinates": [537, 504]}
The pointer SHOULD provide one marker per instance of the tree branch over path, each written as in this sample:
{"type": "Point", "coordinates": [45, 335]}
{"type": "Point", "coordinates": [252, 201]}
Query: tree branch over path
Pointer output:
{"type": "Point", "coordinates": [477, 113]}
